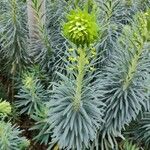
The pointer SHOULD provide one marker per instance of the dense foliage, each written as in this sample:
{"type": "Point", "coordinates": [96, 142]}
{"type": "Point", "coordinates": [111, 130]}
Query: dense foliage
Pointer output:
{"type": "Point", "coordinates": [77, 73]}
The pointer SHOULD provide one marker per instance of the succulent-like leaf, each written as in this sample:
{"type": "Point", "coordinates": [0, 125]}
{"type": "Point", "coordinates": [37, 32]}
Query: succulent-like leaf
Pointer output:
{"type": "Point", "coordinates": [13, 33]}
{"type": "Point", "coordinates": [74, 129]}
{"type": "Point", "coordinates": [128, 145]}
{"type": "Point", "coordinates": [10, 137]}
{"type": "Point", "coordinates": [142, 130]}
{"type": "Point", "coordinates": [31, 96]}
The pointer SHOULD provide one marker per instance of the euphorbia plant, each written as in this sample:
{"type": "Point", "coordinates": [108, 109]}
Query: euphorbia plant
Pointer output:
{"type": "Point", "coordinates": [75, 110]}
{"type": "Point", "coordinates": [89, 102]}
{"type": "Point", "coordinates": [10, 135]}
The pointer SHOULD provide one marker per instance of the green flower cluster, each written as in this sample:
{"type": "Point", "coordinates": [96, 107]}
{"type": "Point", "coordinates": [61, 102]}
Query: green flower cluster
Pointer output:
{"type": "Point", "coordinates": [147, 14]}
{"type": "Point", "coordinates": [139, 32]}
{"type": "Point", "coordinates": [5, 107]}
{"type": "Point", "coordinates": [144, 24]}
{"type": "Point", "coordinates": [28, 80]}
{"type": "Point", "coordinates": [74, 56]}
{"type": "Point", "coordinates": [81, 27]}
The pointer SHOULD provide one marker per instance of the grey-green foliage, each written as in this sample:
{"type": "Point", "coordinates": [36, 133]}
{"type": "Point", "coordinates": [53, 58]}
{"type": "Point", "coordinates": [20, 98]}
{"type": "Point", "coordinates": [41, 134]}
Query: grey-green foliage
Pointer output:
{"type": "Point", "coordinates": [118, 86]}
{"type": "Point", "coordinates": [123, 105]}
{"type": "Point", "coordinates": [32, 96]}
{"type": "Point", "coordinates": [123, 85]}
{"type": "Point", "coordinates": [48, 46]}
{"type": "Point", "coordinates": [42, 126]}
{"type": "Point", "coordinates": [71, 128]}
{"type": "Point", "coordinates": [55, 14]}
{"type": "Point", "coordinates": [113, 15]}
{"type": "Point", "coordinates": [128, 145]}
{"type": "Point", "coordinates": [10, 137]}
{"type": "Point", "coordinates": [40, 47]}
{"type": "Point", "coordinates": [13, 34]}
{"type": "Point", "coordinates": [110, 18]}
{"type": "Point", "coordinates": [142, 130]}
{"type": "Point", "coordinates": [123, 100]}
{"type": "Point", "coordinates": [140, 4]}
{"type": "Point", "coordinates": [75, 112]}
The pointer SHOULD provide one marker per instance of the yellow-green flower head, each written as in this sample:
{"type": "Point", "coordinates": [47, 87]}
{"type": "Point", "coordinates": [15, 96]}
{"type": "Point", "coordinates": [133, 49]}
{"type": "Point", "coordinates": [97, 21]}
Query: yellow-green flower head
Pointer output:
{"type": "Point", "coordinates": [144, 24]}
{"type": "Point", "coordinates": [5, 107]}
{"type": "Point", "coordinates": [28, 80]}
{"type": "Point", "coordinates": [81, 27]}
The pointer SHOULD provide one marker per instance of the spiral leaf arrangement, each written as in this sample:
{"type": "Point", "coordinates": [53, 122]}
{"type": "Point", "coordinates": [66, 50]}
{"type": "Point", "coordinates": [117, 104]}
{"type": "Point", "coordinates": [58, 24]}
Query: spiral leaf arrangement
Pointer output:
{"type": "Point", "coordinates": [142, 130]}
{"type": "Point", "coordinates": [31, 96]}
{"type": "Point", "coordinates": [124, 82]}
{"type": "Point", "coordinates": [11, 137]}
{"type": "Point", "coordinates": [97, 62]}
{"type": "Point", "coordinates": [13, 46]}
{"type": "Point", "coordinates": [75, 112]}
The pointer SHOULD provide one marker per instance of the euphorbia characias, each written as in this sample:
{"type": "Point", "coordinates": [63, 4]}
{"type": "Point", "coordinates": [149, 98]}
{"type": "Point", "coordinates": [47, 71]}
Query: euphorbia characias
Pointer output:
{"type": "Point", "coordinates": [81, 28]}
{"type": "Point", "coordinates": [79, 107]}
{"type": "Point", "coordinates": [79, 79]}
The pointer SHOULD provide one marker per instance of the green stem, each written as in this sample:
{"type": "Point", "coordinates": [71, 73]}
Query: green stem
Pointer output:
{"type": "Point", "coordinates": [13, 72]}
{"type": "Point", "coordinates": [79, 79]}
{"type": "Point", "coordinates": [14, 11]}
{"type": "Point", "coordinates": [40, 26]}
{"type": "Point", "coordinates": [133, 67]}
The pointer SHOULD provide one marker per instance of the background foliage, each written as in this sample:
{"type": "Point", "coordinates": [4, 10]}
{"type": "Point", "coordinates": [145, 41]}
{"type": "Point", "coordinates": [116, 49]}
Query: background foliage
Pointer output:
{"type": "Point", "coordinates": [82, 81]}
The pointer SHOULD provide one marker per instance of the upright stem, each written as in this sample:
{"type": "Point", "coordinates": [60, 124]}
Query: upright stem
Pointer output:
{"type": "Point", "coordinates": [133, 67]}
{"type": "Point", "coordinates": [14, 11]}
{"type": "Point", "coordinates": [79, 79]}
{"type": "Point", "coordinates": [32, 18]}
{"type": "Point", "coordinates": [13, 80]}
{"type": "Point", "coordinates": [14, 63]}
